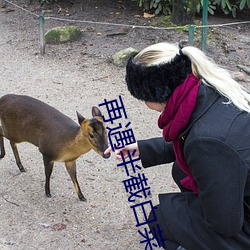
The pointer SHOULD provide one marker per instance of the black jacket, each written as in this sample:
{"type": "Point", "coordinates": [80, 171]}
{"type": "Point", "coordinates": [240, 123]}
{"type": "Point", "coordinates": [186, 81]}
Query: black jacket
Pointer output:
{"type": "Point", "coordinates": [216, 145]}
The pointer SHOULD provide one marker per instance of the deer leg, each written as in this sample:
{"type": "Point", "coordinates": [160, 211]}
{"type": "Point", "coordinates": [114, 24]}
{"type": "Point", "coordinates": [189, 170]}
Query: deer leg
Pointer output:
{"type": "Point", "coordinates": [71, 168]}
{"type": "Point", "coordinates": [1, 144]}
{"type": "Point", "coordinates": [18, 161]}
{"type": "Point", "coordinates": [48, 165]}
{"type": "Point", "coordinates": [2, 147]}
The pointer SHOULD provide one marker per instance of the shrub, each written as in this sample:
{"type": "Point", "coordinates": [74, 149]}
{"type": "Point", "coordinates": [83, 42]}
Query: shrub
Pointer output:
{"type": "Point", "coordinates": [165, 6]}
{"type": "Point", "coordinates": [157, 6]}
{"type": "Point", "coordinates": [47, 1]}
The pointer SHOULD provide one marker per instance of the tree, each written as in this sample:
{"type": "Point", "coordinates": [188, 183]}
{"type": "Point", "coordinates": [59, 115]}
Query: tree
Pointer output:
{"type": "Point", "coordinates": [183, 11]}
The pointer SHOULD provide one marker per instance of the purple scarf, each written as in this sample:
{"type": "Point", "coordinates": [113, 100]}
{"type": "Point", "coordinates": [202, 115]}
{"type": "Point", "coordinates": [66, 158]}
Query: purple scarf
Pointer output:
{"type": "Point", "coordinates": [175, 118]}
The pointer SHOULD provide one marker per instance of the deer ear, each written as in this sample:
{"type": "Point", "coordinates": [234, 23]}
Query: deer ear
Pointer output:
{"type": "Point", "coordinates": [96, 112]}
{"type": "Point", "coordinates": [80, 118]}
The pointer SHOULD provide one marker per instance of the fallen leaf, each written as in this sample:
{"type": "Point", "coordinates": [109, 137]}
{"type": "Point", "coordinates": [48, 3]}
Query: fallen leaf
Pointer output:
{"type": "Point", "coordinates": [58, 227]}
{"type": "Point", "coordinates": [147, 15]}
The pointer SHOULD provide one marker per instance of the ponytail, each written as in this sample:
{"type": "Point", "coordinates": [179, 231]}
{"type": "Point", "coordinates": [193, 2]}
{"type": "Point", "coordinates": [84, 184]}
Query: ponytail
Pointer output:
{"type": "Point", "coordinates": [218, 78]}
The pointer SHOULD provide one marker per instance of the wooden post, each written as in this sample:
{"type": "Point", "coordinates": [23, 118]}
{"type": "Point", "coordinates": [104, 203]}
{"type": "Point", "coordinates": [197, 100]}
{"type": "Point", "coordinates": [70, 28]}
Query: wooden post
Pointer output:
{"type": "Point", "coordinates": [42, 31]}
{"type": "Point", "coordinates": [191, 35]}
{"type": "Point", "coordinates": [204, 24]}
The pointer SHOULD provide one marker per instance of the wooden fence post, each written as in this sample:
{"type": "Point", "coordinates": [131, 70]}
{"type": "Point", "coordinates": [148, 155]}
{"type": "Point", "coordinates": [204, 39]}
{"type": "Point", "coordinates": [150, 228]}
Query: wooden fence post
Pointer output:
{"type": "Point", "coordinates": [42, 31]}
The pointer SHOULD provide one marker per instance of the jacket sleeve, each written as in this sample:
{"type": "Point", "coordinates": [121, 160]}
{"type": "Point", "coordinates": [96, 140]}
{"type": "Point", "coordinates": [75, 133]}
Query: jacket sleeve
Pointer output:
{"type": "Point", "coordinates": [220, 173]}
{"type": "Point", "coordinates": [155, 151]}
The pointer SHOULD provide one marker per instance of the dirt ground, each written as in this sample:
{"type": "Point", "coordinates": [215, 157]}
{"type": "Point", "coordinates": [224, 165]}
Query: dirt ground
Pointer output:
{"type": "Point", "coordinates": [77, 76]}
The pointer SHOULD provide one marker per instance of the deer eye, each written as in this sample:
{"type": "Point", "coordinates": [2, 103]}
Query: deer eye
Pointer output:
{"type": "Point", "coordinates": [91, 136]}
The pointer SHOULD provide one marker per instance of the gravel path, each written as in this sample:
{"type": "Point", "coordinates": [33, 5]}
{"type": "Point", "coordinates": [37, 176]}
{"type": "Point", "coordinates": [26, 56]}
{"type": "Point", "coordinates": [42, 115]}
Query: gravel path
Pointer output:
{"type": "Point", "coordinates": [70, 79]}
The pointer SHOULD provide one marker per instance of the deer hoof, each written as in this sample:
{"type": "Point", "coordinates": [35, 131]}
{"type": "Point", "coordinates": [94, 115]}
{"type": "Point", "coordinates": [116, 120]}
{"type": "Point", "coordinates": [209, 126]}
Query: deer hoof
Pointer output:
{"type": "Point", "coordinates": [82, 198]}
{"type": "Point", "coordinates": [48, 195]}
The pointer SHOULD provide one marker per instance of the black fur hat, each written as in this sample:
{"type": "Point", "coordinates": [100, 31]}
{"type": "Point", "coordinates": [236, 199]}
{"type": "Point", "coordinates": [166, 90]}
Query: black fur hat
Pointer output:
{"type": "Point", "coordinates": [156, 83]}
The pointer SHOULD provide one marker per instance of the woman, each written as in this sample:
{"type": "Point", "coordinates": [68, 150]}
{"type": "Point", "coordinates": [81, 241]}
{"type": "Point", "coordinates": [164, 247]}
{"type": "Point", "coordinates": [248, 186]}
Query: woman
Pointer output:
{"type": "Point", "coordinates": [205, 118]}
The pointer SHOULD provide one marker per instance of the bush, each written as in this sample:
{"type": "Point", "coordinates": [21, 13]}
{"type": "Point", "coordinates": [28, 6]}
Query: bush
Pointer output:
{"type": "Point", "coordinates": [47, 1]}
{"type": "Point", "coordinates": [156, 6]}
{"type": "Point", "coordinates": [232, 6]}
{"type": "Point", "coordinates": [227, 6]}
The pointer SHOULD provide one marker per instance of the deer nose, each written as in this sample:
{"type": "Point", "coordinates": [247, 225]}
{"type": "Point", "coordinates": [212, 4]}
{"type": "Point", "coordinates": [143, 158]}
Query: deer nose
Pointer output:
{"type": "Point", "coordinates": [106, 156]}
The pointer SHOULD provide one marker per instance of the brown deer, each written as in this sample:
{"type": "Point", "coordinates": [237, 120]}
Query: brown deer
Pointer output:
{"type": "Point", "coordinates": [59, 138]}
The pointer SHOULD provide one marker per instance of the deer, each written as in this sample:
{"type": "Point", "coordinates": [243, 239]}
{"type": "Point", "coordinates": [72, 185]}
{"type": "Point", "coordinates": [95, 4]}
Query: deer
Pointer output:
{"type": "Point", "coordinates": [58, 138]}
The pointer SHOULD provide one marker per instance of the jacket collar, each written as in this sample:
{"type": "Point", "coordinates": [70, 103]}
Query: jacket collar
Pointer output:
{"type": "Point", "coordinates": [205, 99]}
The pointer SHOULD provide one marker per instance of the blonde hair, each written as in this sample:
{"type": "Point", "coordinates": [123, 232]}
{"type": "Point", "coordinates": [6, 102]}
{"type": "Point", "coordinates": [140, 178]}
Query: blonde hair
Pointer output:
{"type": "Point", "coordinates": [202, 67]}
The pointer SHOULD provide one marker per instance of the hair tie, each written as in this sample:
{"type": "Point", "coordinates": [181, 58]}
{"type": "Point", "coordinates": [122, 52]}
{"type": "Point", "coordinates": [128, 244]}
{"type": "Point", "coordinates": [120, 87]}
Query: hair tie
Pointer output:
{"type": "Point", "coordinates": [180, 52]}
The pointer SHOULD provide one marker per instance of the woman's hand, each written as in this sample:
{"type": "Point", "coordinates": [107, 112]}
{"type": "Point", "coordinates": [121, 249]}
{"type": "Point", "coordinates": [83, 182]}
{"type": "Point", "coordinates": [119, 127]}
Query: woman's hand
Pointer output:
{"type": "Point", "coordinates": [130, 148]}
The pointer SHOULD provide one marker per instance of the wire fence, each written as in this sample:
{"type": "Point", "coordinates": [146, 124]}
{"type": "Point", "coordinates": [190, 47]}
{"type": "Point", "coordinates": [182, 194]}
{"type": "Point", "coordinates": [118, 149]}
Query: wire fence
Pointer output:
{"type": "Point", "coordinates": [191, 28]}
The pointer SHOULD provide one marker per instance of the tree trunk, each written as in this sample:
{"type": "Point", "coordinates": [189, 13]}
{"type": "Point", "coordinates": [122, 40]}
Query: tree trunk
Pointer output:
{"type": "Point", "coordinates": [183, 11]}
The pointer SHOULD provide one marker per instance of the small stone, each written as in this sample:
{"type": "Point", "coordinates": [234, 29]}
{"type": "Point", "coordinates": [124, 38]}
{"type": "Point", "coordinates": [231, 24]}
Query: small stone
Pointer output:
{"type": "Point", "coordinates": [121, 58]}
{"type": "Point", "coordinates": [63, 34]}
{"type": "Point", "coordinates": [239, 76]}
{"type": "Point", "coordinates": [44, 225]}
